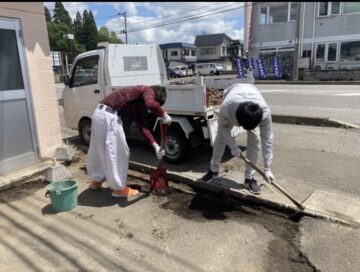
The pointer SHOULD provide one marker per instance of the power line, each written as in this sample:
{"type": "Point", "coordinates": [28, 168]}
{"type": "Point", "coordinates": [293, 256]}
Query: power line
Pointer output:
{"type": "Point", "coordinates": [181, 14]}
{"type": "Point", "coordinates": [185, 19]}
{"type": "Point", "coordinates": [172, 15]}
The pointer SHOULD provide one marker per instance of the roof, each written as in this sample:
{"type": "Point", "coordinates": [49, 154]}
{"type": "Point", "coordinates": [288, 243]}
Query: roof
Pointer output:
{"type": "Point", "coordinates": [211, 39]}
{"type": "Point", "coordinates": [177, 45]}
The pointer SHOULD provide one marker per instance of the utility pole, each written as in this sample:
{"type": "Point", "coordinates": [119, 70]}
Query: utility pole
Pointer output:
{"type": "Point", "coordinates": [298, 41]}
{"type": "Point", "coordinates": [124, 31]}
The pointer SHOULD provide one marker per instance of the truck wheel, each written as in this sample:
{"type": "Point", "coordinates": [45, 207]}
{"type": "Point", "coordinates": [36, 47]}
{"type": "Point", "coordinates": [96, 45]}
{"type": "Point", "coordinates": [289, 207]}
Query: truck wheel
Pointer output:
{"type": "Point", "coordinates": [85, 131]}
{"type": "Point", "coordinates": [176, 147]}
{"type": "Point", "coordinates": [212, 73]}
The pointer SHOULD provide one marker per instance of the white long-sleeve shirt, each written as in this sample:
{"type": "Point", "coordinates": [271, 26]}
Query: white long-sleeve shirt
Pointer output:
{"type": "Point", "coordinates": [233, 96]}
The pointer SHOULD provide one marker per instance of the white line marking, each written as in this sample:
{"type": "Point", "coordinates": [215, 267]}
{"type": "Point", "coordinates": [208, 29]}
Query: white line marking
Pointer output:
{"type": "Point", "coordinates": [347, 94]}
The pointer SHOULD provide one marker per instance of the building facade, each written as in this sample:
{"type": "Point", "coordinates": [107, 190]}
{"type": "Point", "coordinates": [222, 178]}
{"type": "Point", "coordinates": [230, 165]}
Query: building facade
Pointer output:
{"type": "Point", "coordinates": [176, 54]}
{"type": "Point", "coordinates": [307, 36]}
{"type": "Point", "coordinates": [29, 117]}
{"type": "Point", "coordinates": [218, 48]}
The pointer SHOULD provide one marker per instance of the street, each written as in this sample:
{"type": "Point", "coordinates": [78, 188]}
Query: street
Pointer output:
{"type": "Point", "coordinates": [340, 102]}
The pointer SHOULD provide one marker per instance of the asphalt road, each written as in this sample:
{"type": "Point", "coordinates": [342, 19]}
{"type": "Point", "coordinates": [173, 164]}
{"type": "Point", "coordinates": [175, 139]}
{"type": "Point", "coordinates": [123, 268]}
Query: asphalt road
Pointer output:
{"type": "Point", "coordinates": [340, 102]}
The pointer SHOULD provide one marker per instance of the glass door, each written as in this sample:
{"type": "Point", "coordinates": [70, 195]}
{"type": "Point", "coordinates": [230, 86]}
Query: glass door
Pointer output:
{"type": "Point", "coordinates": [17, 140]}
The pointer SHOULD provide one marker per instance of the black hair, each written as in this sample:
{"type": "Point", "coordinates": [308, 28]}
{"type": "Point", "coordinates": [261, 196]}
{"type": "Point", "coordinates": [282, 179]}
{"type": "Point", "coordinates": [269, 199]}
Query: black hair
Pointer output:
{"type": "Point", "coordinates": [249, 115]}
{"type": "Point", "coordinates": [160, 94]}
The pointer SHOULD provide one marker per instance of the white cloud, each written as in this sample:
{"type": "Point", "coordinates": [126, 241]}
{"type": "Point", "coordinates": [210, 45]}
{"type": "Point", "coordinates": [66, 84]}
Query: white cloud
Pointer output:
{"type": "Point", "coordinates": [183, 31]}
{"type": "Point", "coordinates": [144, 14]}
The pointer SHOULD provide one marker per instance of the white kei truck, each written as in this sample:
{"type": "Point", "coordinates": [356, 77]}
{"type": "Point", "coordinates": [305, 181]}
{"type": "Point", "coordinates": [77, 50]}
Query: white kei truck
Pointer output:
{"type": "Point", "coordinates": [97, 73]}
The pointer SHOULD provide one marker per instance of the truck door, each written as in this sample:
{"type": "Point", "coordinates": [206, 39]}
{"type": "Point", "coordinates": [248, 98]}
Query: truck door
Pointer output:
{"type": "Point", "coordinates": [84, 90]}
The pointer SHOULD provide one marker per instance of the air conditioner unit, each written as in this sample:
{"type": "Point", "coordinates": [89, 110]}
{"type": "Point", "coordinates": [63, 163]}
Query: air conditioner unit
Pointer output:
{"type": "Point", "coordinates": [319, 66]}
{"type": "Point", "coordinates": [332, 66]}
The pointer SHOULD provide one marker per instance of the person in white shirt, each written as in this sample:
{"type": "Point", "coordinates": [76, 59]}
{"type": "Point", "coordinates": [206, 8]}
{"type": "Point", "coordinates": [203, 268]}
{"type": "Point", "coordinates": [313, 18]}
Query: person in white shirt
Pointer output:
{"type": "Point", "coordinates": [244, 106]}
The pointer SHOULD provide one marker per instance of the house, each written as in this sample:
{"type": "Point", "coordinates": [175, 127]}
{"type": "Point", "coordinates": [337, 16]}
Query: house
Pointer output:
{"type": "Point", "coordinates": [29, 123]}
{"type": "Point", "coordinates": [218, 48]}
{"type": "Point", "coordinates": [308, 36]}
{"type": "Point", "coordinates": [177, 54]}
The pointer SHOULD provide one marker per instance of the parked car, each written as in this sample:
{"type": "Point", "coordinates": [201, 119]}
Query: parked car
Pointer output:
{"type": "Point", "coordinates": [173, 73]}
{"type": "Point", "coordinates": [209, 69]}
{"type": "Point", "coordinates": [181, 70]}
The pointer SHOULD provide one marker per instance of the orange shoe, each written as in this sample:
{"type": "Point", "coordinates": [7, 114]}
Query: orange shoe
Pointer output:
{"type": "Point", "coordinates": [94, 185]}
{"type": "Point", "coordinates": [127, 192]}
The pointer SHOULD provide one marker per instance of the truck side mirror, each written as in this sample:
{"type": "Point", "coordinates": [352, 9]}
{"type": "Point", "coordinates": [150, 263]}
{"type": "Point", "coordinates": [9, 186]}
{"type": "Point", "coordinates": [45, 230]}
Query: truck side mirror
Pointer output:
{"type": "Point", "coordinates": [66, 80]}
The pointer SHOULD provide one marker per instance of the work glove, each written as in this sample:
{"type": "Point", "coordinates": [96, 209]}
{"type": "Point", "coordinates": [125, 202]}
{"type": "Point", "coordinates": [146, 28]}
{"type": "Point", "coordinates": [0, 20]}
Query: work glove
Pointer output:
{"type": "Point", "coordinates": [159, 152]}
{"type": "Point", "coordinates": [268, 175]}
{"type": "Point", "coordinates": [236, 152]}
{"type": "Point", "coordinates": [166, 119]}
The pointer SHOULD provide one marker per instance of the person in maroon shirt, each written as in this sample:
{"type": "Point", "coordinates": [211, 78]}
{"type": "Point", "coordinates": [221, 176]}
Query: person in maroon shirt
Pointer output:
{"type": "Point", "coordinates": [108, 154]}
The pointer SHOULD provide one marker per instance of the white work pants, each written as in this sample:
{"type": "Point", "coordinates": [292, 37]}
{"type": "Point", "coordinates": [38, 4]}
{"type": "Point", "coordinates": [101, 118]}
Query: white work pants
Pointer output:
{"type": "Point", "coordinates": [252, 151]}
{"type": "Point", "coordinates": [108, 155]}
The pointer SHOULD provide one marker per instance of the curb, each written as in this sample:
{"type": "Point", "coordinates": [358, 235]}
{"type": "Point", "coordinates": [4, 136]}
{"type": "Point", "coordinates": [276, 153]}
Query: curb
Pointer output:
{"type": "Point", "coordinates": [173, 176]}
{"type": "Point", "coordinates": [311, 121]}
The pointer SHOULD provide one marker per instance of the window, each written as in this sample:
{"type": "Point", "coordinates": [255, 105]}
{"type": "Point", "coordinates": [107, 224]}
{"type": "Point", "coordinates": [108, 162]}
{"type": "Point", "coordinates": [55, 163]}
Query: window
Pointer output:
{"type": "Point", "coordinates": [323, 9]}
{"type": "Point", "coordinates": [264, 16]}
{"type": "Point", "coordinates": [10, 75]}
{"type": "Point", "coordinates": [174, 53]}
{"type": "Point", "coordinates": [351, 7]}
{"type": "Point", "coordinates": [193, 53]}
{"type": "Point", "coordinates": [85, 72]}
{"type": "Point", "coordinates": [335, 8]}
{"type": "Point", "coordinates": [279, 13]}
{"type": "Point", "coordinates": [320, 52]}
{"type": "Point", "coordinates": [208, 51]}
{"type": "Point", "coordinates": [223, 50]}
{"type": "Point", "coordinates": [350, 51]}
{"type": "Point", "coordinates": [329, 8]}
{"type": "Point", "coordinates": [332, 51]}
{"type": "Point", "coordinates": [306, 54]}
{"type": "Point", "coordinates": [293, 11]}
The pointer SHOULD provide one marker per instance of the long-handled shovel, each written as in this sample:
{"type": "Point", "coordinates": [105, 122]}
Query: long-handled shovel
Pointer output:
{"type": "Point", "coordinates": [158, 180]}
{"type": "Point", "coordinates": [273, 182]}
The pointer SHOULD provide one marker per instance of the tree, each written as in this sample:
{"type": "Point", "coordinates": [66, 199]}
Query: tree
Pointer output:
{"type": "Point", "coordinates": [114, 38]}
{"type": "Point", "coordinates": [61, 15]}
{"type": "Point", "coordinates": [89, 35]}
{"type": "Point", "coordinates": [77, 26]}
{"type": "Point", "coordinates": [47, 15]}
{"type": "Point", "coordinates": [56, 39]}
{"type": "Point", "coordinates": [105, 36]}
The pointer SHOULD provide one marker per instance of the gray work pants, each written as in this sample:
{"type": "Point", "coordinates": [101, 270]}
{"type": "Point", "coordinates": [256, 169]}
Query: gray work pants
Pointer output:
{"type": "Point", "coordinates": [252, 151]}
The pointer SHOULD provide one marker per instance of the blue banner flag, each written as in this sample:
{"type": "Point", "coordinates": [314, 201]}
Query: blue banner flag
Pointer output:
{"type": "Point", "coordinates": [240, 67]}
{"type": "Point", "coordinates": [276, 66]}
{"type": "Point", "coordinates": [251, 64]}
{"type": "Point", "coordinates": [260, 64]}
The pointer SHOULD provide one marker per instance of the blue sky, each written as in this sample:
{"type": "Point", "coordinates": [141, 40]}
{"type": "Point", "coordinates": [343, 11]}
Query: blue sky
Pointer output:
{"type": "Point", "coordinates": [145, 20]}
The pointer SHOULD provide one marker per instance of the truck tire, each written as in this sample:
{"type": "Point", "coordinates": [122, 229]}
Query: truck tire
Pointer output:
{"type": "Point", "coordinates": [212, 73]}
{"type": "Point", "coordinates": [176, 147]}
{"type": "Point", "coordinates": [85, 131]}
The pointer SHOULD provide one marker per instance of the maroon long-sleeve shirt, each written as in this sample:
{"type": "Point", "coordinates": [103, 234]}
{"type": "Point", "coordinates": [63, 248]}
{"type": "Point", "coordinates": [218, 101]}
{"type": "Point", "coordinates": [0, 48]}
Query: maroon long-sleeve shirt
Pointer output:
{"type": "Point", "coordinates": [131, 103]}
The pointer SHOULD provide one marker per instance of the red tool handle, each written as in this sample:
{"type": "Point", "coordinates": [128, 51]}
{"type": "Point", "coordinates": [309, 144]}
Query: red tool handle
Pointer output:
{"type": "Point", "coordinates": [163, 134]}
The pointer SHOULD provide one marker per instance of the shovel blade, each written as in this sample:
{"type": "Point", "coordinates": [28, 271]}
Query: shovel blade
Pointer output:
{"type": "Point", "coordinates": [158, 180]}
